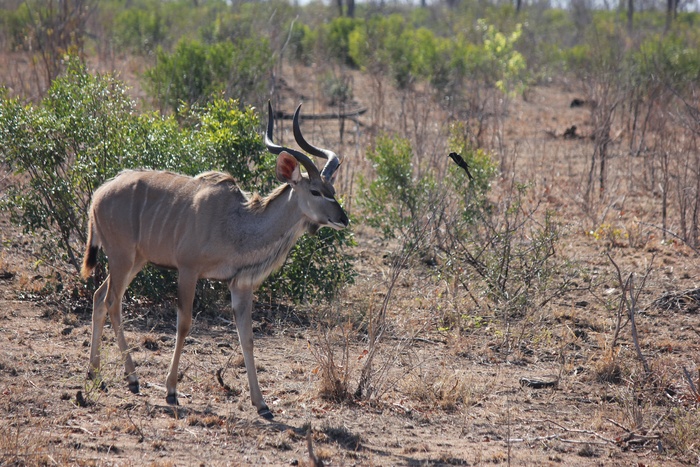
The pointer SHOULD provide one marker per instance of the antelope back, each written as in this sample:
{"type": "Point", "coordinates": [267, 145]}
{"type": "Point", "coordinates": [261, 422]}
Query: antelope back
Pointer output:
{"type": "Point", "coordinates": [159, 214]}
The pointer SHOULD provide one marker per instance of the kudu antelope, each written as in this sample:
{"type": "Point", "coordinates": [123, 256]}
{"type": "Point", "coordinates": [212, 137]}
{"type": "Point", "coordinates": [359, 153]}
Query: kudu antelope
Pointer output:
{"type": "Point", "coordinates": [206, 228]}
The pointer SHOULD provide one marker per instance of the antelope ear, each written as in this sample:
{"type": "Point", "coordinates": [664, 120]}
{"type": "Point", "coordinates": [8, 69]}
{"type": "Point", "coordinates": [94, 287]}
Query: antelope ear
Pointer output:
{"type": "Point", "coordinates": [288, 169]}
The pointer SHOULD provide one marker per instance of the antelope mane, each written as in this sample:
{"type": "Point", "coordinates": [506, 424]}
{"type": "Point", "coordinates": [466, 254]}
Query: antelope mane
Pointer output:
{"type": "Point", "coordinates": [257, 203]}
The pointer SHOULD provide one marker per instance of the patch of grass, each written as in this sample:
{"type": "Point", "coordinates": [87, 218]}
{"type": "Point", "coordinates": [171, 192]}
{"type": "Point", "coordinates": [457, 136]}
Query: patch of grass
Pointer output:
{"type": "Point", "coordinates": [208, 421]}
{"type": "Point", "coordinates": [25, 442]}
{"type": "Point", "coordinates": [343, 436]}
{"type": "Point", "coordinates": [608, 370]}
{"type": "Point", "coordinates": [683, 439]}
{"type": "Point", "coordinates": [442, 388]}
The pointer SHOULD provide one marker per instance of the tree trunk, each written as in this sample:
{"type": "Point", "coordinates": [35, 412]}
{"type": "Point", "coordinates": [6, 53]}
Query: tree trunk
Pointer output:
{"type": "Point", "coordinates": [351, 8]}
{"type": "Point", "coordinates": [670, 13]}
{"type": "Point", "coordinates": [630, 15]}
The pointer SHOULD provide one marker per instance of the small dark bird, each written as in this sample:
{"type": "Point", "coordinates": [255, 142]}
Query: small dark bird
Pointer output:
{"type": "Point", "coordinates": [462, 163]}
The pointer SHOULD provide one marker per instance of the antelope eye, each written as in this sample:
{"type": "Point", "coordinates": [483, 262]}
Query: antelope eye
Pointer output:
{"type": "Point", "coordinates": [315, 193]}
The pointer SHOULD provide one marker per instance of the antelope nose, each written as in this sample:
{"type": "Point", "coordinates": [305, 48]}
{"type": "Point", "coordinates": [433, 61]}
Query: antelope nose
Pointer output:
{"type": "Point", "coordinates": [340, 223]}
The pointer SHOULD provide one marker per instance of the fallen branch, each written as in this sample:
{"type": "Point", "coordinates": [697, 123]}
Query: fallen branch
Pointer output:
{"type": "Point", "coordinates": [556, 437]}
{"type": "Point", "coordinates": [351, 115]}
{"type": "Point", "coordinates": [633, 436]}
{"type": "Point", "coordinates": [76, 427]}
{"type": "Point", "coordinates": [576, 430]}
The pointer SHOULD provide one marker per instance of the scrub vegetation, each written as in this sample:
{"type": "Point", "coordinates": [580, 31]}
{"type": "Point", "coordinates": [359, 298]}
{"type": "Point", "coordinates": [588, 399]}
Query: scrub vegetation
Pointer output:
{"type": "Point", "coordinates": [539, 308]}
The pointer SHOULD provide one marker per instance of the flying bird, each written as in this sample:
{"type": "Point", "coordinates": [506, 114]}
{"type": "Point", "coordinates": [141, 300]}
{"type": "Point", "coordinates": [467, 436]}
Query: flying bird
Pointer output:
{"type": "Point", "coordinates": [462, 163]}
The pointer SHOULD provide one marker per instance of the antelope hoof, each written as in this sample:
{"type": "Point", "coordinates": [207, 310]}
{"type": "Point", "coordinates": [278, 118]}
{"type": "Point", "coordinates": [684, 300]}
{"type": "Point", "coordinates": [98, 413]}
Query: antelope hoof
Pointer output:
{"type": "Point", "coordinates": [265, 413]}
{"type": "Point", "coordinates": [171, 399]}
{"type": "Point", "coordinates": [134, 387]}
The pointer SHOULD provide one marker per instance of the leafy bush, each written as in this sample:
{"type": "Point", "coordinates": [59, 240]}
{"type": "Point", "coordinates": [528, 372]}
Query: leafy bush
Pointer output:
{"type": "Point", "coordinates": [668, 60]}
{"type": "Point", "coordinates": [67, 147]}
{"type": "Point", "coordinates": [500, 249]}
{"type": "Point", "coordinates": [502, 65]}
{"type": "Point", "coordinates": [140, 31]}
{"type": "Point", "coordinates": [302, 40]}
{"type": "Point", "coordinates": [385, 45]}
{"type": "Point", "coordinates": [393, 47]}
{"type": "Point", "coordinates": [395, 201]}
{"type": "Point", "coordinates": [195, 73]}
{"type": "Point", "coordinates": [336, 39]}
{"type": "Point", "coordinates": [86, 130]}
{"type": "Point", "coordinates": [15, 25]}
{"type": "Point", "coordinates": [472, 194]}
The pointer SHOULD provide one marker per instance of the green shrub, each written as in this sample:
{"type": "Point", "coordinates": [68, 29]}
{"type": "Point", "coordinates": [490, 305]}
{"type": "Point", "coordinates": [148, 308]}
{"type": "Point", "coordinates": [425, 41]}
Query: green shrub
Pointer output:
{"type": "Point", "coordinates": [336, 39]}
{"type": "Point", "coordinates": [86, 130]}
{"type": "Point", "coordinates": [67, 147]}
{"type": "Point", "coordinates": [139, 31]}
{"type": "Point", "coordinates": [196, 73]}
{"type": "Point", "coordinates": [385, 45]}
{"type": "Point", "coordinates": [302, 40]}
{"type": "Point", "coordinates": [670, 60]}
{"type": "Point", "coordinates": [472, 194]}
{"type": "Point", "coordinates": [396, 200]}
{"type": "Point", "coordinates": [500, 249]}
{"type": "Point", "coordinates": [14, 27]}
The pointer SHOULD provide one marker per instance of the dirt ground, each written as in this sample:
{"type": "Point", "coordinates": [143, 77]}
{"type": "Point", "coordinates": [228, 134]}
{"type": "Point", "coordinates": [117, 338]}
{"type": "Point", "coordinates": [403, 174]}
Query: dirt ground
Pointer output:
{"type": "Point", "coordinates": [449, 399]}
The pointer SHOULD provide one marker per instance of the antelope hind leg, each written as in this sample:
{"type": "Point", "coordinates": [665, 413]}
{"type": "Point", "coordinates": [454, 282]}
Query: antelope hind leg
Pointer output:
{"type": "Point", "coordinates": [121, 274]}
{"type": "Point", "coordinates": [99, 315]}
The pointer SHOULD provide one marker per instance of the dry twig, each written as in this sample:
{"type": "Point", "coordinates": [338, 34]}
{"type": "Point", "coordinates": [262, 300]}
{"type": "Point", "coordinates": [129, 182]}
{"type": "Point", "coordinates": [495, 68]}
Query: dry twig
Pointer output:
{"type": "Point", "coordinates": [559, 436]}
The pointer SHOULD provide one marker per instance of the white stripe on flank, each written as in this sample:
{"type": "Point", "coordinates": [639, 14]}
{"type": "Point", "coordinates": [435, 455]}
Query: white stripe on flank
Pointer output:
{"type": "Point", "coordinates": [144, 202]}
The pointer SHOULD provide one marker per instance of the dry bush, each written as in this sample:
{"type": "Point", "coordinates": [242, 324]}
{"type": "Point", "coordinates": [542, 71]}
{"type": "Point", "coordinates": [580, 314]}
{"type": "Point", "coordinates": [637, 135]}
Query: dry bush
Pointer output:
{"type": "Point", "coordinates": [608, 369]}
{"type": "Point", "coordinates": [334, 371]}
{"type": "Point", "coordinates": [442, 387]}
{"type": "Point", "coordinates": [30, 441]}
{"type": "Point", "coordinates": [683, 439]}
{"type": "Point", "coordinates": [206, 420]}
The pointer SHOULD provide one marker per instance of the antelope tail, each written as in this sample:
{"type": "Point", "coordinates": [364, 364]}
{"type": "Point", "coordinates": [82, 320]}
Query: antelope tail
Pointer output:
{"type": "Point", "coordinates": [90, 258]}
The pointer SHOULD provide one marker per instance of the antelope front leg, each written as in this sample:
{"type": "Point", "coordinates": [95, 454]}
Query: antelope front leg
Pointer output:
{"type": "Point", "coordinates": [187, 283]}
{"type": "Point", "coordinates": [242, 302]}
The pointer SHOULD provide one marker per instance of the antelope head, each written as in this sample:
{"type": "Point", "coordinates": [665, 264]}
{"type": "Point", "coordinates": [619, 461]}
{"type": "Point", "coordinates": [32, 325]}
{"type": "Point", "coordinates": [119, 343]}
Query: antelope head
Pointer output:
{"type": "Point", "coordinates": [315, 188]}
